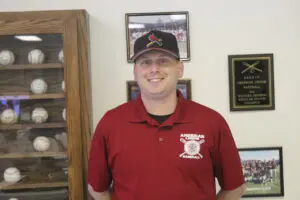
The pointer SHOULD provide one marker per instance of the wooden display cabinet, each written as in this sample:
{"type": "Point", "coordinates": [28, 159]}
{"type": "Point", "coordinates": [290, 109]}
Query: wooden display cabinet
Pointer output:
{"type": "Point", "coordinates": [45, 105]}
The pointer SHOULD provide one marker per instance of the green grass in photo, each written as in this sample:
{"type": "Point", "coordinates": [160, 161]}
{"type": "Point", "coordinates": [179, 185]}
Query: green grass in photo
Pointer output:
{"type": "Point", "coordinates": [265, 188]}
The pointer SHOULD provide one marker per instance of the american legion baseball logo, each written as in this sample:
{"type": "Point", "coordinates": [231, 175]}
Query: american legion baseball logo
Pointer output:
{"type": "Point", "coordinates": [192, 145]}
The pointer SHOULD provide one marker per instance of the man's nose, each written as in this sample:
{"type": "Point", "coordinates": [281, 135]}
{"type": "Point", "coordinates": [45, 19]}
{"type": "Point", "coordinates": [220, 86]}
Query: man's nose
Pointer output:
{"type": "Point", "coordinates": [154, 67]}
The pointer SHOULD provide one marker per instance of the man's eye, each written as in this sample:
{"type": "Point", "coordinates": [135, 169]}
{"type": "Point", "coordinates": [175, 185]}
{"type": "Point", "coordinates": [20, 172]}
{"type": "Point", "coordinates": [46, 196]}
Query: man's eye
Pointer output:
{"type": "Point", "coordinates": [145, 62]}
{"type": "Point", "coordinates": [163, 61]}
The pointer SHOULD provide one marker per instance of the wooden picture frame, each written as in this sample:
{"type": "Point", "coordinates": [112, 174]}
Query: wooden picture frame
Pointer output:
{"type": "Point", "coordinates": [177, 23]}
{"type": "Point", "coordinates": [263, 171]}
{"type": "Point", "coordinates": [184, 85]}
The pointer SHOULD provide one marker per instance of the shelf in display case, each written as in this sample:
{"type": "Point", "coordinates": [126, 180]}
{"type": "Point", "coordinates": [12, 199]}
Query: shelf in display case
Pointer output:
{"type": "Point", "coordinates": [27, 95]}
{"type": "Point", "coordinates": [32, 66]}
{"type": "Point", "coordinates": [32, 185]}
{"type": "Point", "coordinates": [34, 155]}
{"type": "Point", "coordinates": [32, 126]}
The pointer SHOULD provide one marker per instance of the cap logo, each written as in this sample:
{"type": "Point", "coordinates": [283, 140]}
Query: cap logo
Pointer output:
{"type": "Point", "coordinates": [154, 40]}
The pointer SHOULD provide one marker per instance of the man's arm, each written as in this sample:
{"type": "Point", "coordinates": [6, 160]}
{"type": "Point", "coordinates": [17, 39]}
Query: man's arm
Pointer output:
{"type": "Point", "coordinates": [99, 176]}
{"type": "Point", "coordinates": [234, 194]}
{"type": "Point", "coordinates": [99, 195]}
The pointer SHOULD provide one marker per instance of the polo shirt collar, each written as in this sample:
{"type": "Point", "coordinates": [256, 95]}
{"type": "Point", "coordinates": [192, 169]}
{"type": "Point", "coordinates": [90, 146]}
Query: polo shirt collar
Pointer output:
{"type": "Point", "coordinates": [140, 114]}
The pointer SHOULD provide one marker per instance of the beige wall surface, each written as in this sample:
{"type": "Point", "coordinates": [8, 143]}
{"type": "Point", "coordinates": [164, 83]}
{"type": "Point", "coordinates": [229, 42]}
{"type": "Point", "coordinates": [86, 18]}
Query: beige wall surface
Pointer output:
{"type": "Point", "coordinates": [217, 29]}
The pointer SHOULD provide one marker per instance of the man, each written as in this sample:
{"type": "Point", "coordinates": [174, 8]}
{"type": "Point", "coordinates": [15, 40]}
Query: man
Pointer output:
{"type": "Point", "coordinates": [161, 146]}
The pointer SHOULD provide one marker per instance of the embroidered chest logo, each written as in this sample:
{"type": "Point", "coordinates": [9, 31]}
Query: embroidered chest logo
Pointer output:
{"type": "Point", "coordinates": [153, 39]}
{"type": "Point", "coordinates": [192, 145]}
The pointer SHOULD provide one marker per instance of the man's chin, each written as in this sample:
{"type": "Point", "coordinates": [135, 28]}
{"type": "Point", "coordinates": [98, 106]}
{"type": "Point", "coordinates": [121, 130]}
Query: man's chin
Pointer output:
{"type": "Point", "coordinates": [154, 94]}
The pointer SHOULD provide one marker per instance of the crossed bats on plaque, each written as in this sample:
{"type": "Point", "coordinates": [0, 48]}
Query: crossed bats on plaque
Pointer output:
{"type": "Point", "coordinates": [252, 67]}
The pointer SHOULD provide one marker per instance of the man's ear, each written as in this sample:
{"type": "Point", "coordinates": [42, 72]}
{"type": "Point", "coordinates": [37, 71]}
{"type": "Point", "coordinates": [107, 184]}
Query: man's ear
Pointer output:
{"type": "Point", "coordinates": [181, 69]}
{"type": "Point", "coordinates": [134, 68]}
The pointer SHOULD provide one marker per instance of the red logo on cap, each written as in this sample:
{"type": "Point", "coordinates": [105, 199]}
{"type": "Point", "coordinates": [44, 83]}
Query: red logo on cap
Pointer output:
{"type": "Point", "coordinates": [153, 39]}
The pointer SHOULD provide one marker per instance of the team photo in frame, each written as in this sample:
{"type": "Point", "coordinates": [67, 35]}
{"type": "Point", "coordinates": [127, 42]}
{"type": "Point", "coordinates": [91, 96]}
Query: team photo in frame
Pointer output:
{"type": "Point", "coordinates": [177, 23]}
{"type": "Point", "coordinates": [263, 171]}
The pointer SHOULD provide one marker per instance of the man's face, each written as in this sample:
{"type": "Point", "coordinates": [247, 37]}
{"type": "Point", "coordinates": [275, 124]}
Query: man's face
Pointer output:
{"type": "Point", "coordinates": [157, 73]}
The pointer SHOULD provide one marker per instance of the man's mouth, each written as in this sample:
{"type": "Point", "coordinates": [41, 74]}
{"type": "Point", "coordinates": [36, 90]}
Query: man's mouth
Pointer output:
{"type": "Point", "coordinates": [155, 80]}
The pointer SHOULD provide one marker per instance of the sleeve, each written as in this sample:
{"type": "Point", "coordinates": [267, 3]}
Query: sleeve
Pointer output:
{"type": "Point", "coordinates": [227, 165]}
{"type": "Point", "coordinates": [99, 176]}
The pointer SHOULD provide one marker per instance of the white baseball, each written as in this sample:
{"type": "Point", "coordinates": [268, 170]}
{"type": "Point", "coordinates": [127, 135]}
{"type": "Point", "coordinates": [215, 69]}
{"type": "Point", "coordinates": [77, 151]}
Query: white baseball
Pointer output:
{"type": "Point", "coordinates": [39, 115]}
{"type": "Point", "coordinates": [8, 116]}
{"type": "Point", "coordinates": [7, 57]}
{"type": "Point", "coordinates": [36, 56]}
{"type": "Point", "coordinates": [61, 56]}
{"type": "Point", "coordinates": [63, 85]}
{"type": "Point", "coordinates": [12, 175]}
{"type": "Point", "coordinates": [38, 86]}
{"type": "Point", "coordinates": [64, 114]}
{"type": "Point", "coordinates": [41, 143]}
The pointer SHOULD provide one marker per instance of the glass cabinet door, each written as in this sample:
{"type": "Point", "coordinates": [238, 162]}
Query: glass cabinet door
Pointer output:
{"type": "Point", "coordinates": [33, 126]}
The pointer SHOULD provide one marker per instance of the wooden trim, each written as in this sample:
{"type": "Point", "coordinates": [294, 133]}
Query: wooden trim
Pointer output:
{"type": "Point", "coordinates": [41, 66]}
{"type": "Point", "coordinates": [85, 88]}
{"type": "Point", "coordinates": [34, 22]}
{"type": "Point", "coordinates": [34, 155]}
{"type": "Point", "coordinates": [5, 186]}
{"type": "Point", "coordinates": [53, 14]}
{"type": "Point", "coordinates": [73, 110]}
{"type": "Point", "coordinates": [28, 95]}
{"type": "Point", "coordinates": [31, 26]}
{"type": "Point", "coordinates": [31, 126]}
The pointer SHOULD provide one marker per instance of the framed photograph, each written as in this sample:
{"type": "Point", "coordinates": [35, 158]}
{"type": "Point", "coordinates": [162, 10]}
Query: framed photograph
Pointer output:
{"type": "Point", "coordinates": [251, 82]}
{"type": "Point", "coordinates": [263, 171]}
{"type": "Point", "coordinates": [183, 85]}
{"type": "Point", "coordinates": [177, 23]}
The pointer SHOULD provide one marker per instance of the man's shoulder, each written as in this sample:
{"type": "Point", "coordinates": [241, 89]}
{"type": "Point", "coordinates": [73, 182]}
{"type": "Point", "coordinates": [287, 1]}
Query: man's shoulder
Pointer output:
{"type": "Point", "coordinates": [119, 111]}
{"type": "Point", "coordinates": [114, 116]}
{"type": "Point", "coordinates": [195, 106]}
{"type": "Point", "coordinates": [202, 114]}
{"type": "Point", "coordinates": [199, 111]}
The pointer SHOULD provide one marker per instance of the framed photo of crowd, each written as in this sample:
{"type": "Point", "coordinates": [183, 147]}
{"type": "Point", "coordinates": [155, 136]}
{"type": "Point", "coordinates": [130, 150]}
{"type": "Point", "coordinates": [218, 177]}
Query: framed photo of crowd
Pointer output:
{"type": "Point", "coordinates": [177, 23]}
{"type": "Point", "coordinates": [183, 85]}
{"type": "Point", "coordinates": [263, 171]}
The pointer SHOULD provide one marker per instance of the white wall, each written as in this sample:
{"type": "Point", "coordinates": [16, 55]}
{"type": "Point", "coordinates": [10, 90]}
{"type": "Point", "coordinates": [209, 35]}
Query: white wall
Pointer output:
{"type": "Point", "coordinates": [217, 29]}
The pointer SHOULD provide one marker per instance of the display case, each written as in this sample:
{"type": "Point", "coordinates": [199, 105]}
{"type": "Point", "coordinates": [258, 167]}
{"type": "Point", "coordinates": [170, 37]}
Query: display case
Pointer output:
{"type": "Point", "coordinates": [45, 105]}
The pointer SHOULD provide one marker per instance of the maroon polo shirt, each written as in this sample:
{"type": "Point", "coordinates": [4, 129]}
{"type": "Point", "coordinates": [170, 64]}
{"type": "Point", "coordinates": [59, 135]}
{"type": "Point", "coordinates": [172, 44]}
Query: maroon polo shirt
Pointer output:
{"type": "Point", "coordinates": [177, 160]}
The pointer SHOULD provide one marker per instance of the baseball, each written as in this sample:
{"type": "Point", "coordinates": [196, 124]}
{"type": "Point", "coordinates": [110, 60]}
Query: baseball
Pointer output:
{"type": "Point", "coordinates": [41, 143]}
{"type": "Point", "coordinates": [61, 56]}
{"type": "Point", "coordinates": [8, 116]}
{"type": "Point", "coordinates": [39, 115]}
{"type": "Point", "coordinates": [38, 86]}
{"type": "Point", "coordinates": [63, 85]}
{"type": "Point", "coordinates": [7, 57]}
{"type": "Point", "coordinates": [64, 114]}
{"type": "Point", "coordinates": [12, 175]}
{"type": "Point", "coordinates": [36, 56]}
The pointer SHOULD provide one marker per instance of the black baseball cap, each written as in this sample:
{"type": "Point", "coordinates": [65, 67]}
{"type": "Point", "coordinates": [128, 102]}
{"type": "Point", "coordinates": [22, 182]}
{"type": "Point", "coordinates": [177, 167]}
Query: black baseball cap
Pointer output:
{"type": "Point", "coordinates": [158, 41]}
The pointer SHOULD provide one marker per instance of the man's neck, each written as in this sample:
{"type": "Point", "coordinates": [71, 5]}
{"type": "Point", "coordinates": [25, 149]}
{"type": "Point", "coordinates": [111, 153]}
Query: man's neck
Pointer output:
{"type": "Point", "coordinates": [163, 106]}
